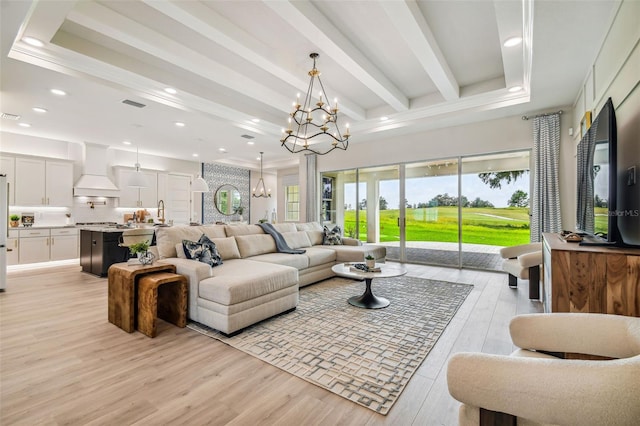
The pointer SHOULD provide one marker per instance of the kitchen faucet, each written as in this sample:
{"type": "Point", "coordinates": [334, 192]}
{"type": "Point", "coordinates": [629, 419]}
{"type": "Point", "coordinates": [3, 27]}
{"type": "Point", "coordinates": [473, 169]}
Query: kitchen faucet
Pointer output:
{"type": "Point", "coordinates": [161, 211]}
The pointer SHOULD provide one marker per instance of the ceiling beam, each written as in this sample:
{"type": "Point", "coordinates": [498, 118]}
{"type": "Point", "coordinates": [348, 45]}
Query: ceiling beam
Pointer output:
{"type": "Point", "coordinates": [410, 23]}
{"type": "Point", "coordinates": [315, 27]}
{"type": "Point", "coordinates": [509, 17]}
{"type": "Point", "coordinates": [117, 27]}
{"type": "Point", "coordinates": [201, 19]}
{"type": "Point", "coordinates": [44, 19]}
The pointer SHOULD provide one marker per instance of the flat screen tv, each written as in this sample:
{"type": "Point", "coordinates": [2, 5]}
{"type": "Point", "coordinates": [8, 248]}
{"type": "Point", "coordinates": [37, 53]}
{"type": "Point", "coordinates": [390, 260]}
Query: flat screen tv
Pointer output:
{"type": "Point", "coordinates": [596, 213]}
{"type": "Point", "coordinates": [608, 207]}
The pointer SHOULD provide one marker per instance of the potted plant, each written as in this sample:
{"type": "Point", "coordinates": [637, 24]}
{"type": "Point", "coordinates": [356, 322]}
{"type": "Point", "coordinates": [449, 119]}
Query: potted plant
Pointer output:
{"type": "Point", "coordinates": [370, 261]}
{"type": "Point", "coordinates": [14, 220]}
{"type": "Point", "coordinates": [141, 250]}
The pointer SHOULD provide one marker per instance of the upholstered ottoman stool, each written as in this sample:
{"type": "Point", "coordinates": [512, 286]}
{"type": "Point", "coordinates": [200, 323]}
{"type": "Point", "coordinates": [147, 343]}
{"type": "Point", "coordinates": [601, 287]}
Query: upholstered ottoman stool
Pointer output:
{"type": "Point", "coordinates": [163, 295]}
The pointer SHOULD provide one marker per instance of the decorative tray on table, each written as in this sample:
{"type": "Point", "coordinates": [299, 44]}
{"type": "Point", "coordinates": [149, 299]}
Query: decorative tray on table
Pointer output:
{"type": "Point", "coordinates": [361, 267]}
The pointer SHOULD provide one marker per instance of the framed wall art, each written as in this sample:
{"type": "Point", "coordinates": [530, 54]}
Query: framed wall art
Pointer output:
{"type": "Point", "coordinates": [585, 123]}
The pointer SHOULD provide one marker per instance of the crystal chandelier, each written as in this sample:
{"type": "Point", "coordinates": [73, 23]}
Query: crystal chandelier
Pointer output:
{"type": "Point", "coordinates": [259, 191]}
{"type": "Point", "coordinates": [315, 128]}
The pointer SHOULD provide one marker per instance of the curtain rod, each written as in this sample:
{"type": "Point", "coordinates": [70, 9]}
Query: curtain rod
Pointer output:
{"type": "Point", "coordinates": [526, 117]}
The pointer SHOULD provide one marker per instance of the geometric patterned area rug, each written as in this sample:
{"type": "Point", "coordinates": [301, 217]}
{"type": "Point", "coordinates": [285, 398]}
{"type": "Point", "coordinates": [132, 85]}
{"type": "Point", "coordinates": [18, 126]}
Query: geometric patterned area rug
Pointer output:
{"type": "Point", "coordinates": [364, 355]}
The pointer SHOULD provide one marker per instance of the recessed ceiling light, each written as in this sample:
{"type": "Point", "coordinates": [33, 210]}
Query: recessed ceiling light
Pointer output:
{"type": "Point", "coordinates": [195, 154]}
{"type": "Point", "coordinates": [179, 124]}
{"type": "Point", "coordinates": [255, 120]}
{"type": "Point", "coordinates": [33, 41]}
{"type": "Point", "coordinates": [39, 109]}
{"type": "Point", "coordinates": [24, 124]}
{"type": "Point", "coordinates": [222, 150]}
{"type": "Point", "coordinates": [170, 90]}
{"type": "Point", "coordinates": [58, 92]}
{"type": "Point", "coordinates": [512, 41]}
{"type": "Point", "coordinates": [515, 89]}
{"type": "Point", "coordinates": [250, 143]}
{"type": "Point", "coordinates": [384, 118]}
{"type": "Point", "coordinates": [126, 142]}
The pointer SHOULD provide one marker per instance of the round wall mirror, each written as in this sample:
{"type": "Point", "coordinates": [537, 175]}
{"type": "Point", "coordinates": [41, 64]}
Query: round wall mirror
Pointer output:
{"type": "Point", "coordinates": [227, 199]}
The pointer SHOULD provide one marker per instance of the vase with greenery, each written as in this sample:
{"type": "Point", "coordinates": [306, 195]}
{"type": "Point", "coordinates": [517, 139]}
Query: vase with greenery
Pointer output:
{"type": "Point", "coordinates": [141, 250]}
{"type": "Point", "coordinates": [370, 261]}
{"type": "Point", "coordinates": [14, 220]}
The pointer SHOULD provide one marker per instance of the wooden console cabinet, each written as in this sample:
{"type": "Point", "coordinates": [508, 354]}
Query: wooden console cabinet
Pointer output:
{"type": "Point", "coordinates": [590, 279]}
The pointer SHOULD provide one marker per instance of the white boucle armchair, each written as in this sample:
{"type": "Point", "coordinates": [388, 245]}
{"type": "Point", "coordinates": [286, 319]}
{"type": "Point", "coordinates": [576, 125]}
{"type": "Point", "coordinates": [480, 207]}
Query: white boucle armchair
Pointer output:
{"type": "Point", "coordinates": [523, 261]}
{"type": "Point", "coordinates": [540, 389]}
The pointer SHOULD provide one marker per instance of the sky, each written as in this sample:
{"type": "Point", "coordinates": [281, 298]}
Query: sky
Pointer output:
{"type": "Point", "coordinates": [601, 182]}
{"type": "Point", "coordinates": [422, 190]}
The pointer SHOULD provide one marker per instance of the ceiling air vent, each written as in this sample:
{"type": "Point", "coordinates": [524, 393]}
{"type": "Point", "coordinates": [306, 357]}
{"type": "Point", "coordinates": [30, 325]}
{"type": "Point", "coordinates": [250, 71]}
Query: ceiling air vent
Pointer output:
{"type": "Point", "coordinates": [10, 116]}
{"type": "Point", "coordinates": [247, 136]}
{"type": "Point", "coordinates": [133, 103]}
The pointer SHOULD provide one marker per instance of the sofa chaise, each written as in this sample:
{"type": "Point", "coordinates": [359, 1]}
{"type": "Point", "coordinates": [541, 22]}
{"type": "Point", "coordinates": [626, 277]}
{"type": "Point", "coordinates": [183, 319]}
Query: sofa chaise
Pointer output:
{"type": "Point", "coordinates": [254, 281]}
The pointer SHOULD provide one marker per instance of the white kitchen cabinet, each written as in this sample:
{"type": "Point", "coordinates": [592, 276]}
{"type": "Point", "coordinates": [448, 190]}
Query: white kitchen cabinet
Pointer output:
{"type": "Point", "coordinates": [64, 244]}
{"type": "Point", "coordinates": [59, 183]}
{"type": "Point", "coordinates": [8, 167]}
{"type": "Point", "coordinates": [137, 197]}
{"type": "Point", "coordinates": [33, 246]}
{"type": "Point", "coordinates": [30, 181]}
{"type": "Point", "coordinates": [12, 247]}
{"type": "Point", "coordinates": [41, 182]}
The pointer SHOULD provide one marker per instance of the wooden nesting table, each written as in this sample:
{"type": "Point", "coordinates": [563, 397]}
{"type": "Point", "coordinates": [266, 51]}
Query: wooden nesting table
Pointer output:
{"type": "Point", "coordinates": [123, 280]}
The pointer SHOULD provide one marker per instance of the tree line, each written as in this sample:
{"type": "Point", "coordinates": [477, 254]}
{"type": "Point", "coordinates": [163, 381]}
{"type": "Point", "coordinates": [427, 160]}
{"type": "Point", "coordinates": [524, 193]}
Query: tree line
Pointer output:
{"type": "Point", "coordinates": [518, 199]}
{"type": "Point", "coordinates": [493, 179]}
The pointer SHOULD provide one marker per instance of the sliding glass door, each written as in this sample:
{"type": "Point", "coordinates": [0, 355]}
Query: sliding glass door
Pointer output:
{"type": "Point", "coordinates": [380, 200]}
{"type": "Point", "coordinates": [432, 226]}
{"type": "Point", "coordinates": [495, 207]}
{"type": "Point", "coordinates": [454, 212]}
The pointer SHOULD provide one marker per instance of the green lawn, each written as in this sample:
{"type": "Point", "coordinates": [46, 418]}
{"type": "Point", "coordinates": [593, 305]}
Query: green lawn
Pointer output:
{"type": "Point", "coordinates": [492, 226]}
{"type": "Point", "coordinates": [601, 219]}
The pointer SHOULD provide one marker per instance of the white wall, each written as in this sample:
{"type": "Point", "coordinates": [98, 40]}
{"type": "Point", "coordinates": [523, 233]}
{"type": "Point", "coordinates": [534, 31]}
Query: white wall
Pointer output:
{"type": "Point", "coordinates": [505, 134]}
{"type": "Point", "coordinates": [14, 143]}
{"type": "Point", "coordinates": [614, 74]}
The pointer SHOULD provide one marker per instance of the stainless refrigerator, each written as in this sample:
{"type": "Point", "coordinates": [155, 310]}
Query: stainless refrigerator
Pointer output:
{"type": "Point", "coordinates": [4, 232]}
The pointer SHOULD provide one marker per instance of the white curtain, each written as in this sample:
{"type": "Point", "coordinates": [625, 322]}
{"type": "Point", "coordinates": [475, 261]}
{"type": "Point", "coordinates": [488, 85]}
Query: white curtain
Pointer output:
{"type": "Point", "coordinates": [312, 189]}
{"type": "Point", "coordinates": [546, 191]}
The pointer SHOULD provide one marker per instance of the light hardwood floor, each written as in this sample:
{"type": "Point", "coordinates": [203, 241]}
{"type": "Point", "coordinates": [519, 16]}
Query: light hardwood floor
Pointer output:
{"type": "Point", "coordinates": [62, 362]}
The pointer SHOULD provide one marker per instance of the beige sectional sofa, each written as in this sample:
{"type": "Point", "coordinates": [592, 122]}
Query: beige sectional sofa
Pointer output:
{"type": "Point", "coordinates": [255, 281]}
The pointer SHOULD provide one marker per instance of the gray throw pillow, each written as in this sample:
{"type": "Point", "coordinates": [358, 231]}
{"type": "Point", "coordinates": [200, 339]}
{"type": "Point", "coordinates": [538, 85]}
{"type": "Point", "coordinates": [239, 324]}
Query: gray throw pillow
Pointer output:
{"type": "Point", "coordinates": [332, 237]}
{"type": "Point", "coordinates": [204, 250]}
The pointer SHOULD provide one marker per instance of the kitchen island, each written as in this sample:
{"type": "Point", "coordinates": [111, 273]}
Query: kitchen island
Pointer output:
{"type": "Point", "coordinates": [100, 248]}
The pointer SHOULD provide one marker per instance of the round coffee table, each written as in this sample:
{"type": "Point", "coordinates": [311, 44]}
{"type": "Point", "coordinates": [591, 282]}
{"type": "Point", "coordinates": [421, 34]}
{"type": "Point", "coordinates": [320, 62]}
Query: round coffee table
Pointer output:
{"type": "Point", "coordinates": [368, 300]}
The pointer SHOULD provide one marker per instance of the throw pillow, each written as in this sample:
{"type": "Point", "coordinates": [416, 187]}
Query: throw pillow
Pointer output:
{"type": "Point", "coordinates": [204, 250]}
{"type": "Point", "coordinates": [332, 237]}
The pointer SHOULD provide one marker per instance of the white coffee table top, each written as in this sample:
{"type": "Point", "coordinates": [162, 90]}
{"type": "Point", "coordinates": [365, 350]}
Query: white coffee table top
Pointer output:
{"type": "Point", "coordinates": [386, 270]}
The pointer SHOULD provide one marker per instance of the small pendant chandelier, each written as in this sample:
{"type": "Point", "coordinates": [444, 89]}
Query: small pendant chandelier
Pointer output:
{"type": "Point", "coordinates": [259, 190]}
{"type": "Point", "coordinates": [199, 185]}
{"type": "Point", "coordinates": [306, 132]}
{"type": "Point", "coordinates": [137, 178]}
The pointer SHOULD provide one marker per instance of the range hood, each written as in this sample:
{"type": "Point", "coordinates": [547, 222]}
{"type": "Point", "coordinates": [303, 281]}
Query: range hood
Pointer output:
{"type": "Point", "coordinates": [94, 181]}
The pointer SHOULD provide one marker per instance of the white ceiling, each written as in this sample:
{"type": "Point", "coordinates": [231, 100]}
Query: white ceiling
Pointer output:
{"type": "Point", "coordinates": [420, 63]}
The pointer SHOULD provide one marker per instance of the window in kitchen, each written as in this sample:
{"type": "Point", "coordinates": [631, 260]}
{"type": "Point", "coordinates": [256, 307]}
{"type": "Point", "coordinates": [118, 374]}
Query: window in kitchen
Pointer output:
{"type": "Point", "coordinates": [292, 203]}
